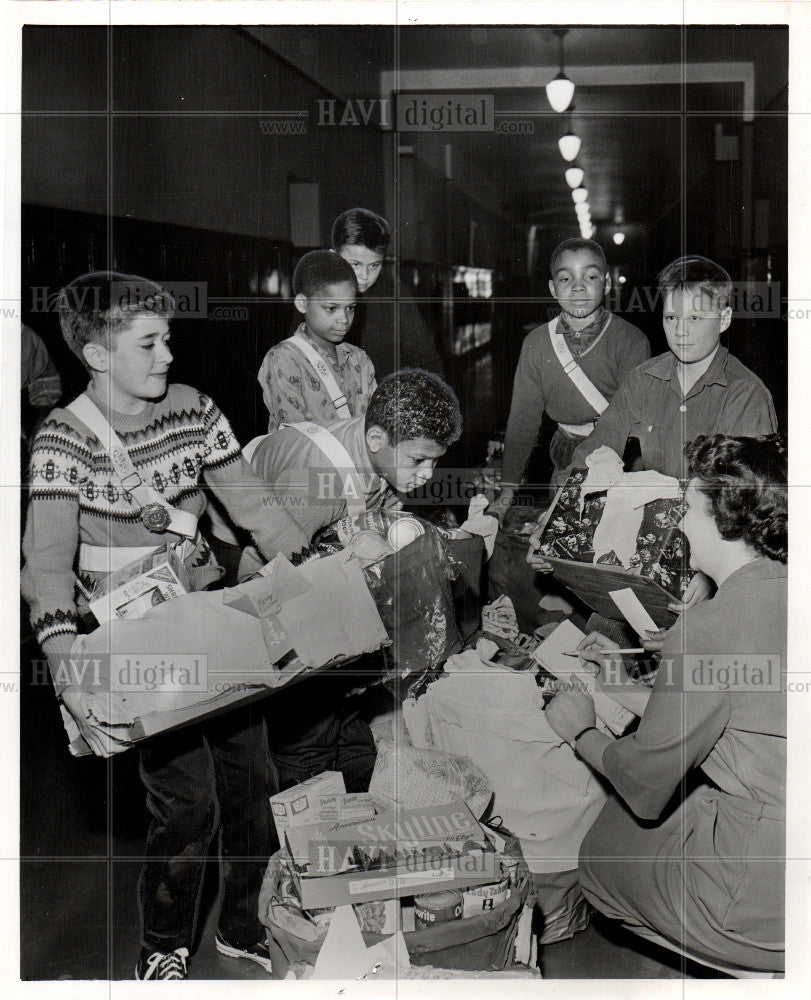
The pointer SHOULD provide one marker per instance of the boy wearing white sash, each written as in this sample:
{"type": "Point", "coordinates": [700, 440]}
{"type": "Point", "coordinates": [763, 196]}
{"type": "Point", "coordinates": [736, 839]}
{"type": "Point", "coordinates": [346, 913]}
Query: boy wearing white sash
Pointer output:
{"type": "Point", "coordinates": [114, 475]}
{"type": "Point", "coordinates": [314, 375]}
{"type": "Point", "coordinates": [570, 367]}
{"type": "Point", "coordinates": [321, 475]}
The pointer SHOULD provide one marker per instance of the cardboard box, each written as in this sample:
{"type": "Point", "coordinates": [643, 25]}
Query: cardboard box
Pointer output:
{"type": "Point", "coordinates": [310, 801]}
{"type": "Point", "coordinates": [358, 887]}
{"type": "Point", "coordinates": [400, 853]}
{"type": "Point", "coordinates": [140, 585]}
{"type": "Point", "coordinates": [321, 610]}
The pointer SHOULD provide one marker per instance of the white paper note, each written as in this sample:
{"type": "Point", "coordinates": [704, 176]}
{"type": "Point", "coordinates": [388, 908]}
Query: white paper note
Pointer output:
{"type": "Point", "coordinates": [551, 655]}
{"type": "Point", "coordinates": [633, 612]}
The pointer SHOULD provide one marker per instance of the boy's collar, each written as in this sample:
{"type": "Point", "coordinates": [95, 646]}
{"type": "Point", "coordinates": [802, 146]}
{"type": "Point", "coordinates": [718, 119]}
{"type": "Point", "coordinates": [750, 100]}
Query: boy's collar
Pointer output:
{"type": "Point", "coordinates": [664, 367]}
{"type": "Point", "coordinates": [301, 331]}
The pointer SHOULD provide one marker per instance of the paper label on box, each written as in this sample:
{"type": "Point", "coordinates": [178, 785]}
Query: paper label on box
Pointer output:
{"type": "Point", "coordinates": [633, 611]}
{"type": "Point", "coordinates": [484, 897]}
{"type": "Point", "coordinates": [396, 882]}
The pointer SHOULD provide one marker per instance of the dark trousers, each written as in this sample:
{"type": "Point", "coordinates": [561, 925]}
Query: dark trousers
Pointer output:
{"type": "Point", "coordinates": [315, 727]}
{"type": "Point", "coordinates": [199, 780]}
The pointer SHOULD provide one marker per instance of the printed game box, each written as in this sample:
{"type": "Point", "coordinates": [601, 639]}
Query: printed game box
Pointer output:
{"type": "Point", "coordinates": [140, 585]}
{"type": "Point", "coordinates": [399, 853]}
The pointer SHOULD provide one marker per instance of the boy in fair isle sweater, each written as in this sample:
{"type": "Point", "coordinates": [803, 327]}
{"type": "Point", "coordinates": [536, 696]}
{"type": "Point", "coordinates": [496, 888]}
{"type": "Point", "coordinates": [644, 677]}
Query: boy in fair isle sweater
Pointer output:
{"type": "Point", "coordinates": [97, 502]}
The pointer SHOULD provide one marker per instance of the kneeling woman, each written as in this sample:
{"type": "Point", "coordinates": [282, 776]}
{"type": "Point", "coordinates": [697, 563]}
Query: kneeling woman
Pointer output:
{"type": "Point", "coordinates": [704, 876]}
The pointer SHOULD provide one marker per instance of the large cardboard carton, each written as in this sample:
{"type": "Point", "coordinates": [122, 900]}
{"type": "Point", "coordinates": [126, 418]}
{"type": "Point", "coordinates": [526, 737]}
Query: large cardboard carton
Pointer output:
{"type": "Point", "coordinates": [396, 854]}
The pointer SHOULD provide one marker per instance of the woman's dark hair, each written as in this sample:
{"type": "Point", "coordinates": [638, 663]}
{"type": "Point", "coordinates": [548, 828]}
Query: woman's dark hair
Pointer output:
{"type": "Point", "coordinates": [745, 481]}
{"type": "Point", "coordinates": [360, 227]}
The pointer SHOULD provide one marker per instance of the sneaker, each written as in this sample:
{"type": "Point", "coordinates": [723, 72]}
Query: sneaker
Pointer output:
{"type": "Point", "coordinates": [157, 965]}
{"type": "Point", "coordinates": [256, 953]}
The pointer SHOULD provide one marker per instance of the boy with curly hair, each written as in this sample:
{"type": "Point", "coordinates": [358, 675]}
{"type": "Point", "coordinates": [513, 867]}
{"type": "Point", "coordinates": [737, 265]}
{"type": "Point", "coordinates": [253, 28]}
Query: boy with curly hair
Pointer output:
{"type": "Point", "coordinates": [321, 474]}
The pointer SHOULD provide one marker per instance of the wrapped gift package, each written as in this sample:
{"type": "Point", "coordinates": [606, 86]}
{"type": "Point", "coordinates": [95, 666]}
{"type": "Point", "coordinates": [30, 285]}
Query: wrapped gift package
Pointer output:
{"type": "Point", "coordinates": [658, 566]}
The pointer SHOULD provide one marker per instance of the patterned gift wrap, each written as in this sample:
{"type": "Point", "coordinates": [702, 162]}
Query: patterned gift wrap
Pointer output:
{"type": "Point", "coordinates": [662, 552]}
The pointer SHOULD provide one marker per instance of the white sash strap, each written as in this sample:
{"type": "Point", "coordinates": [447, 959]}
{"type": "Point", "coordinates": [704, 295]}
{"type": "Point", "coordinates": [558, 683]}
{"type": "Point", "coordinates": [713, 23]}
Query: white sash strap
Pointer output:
{"type": "Point", "coordinates": [339, 457]}
{"type": "Point", "coordinates": [581, 381]}
{"type": "Point", "coordinates": [110, 558]}
{"type": "Point", "coordinates": [182, 522]}
{"type": "Point", "coordinates": [578, 430]}
{"type": "Point", "coordinates": [339, 400]}
{"type": "Point", "coordinates": [252, 445]}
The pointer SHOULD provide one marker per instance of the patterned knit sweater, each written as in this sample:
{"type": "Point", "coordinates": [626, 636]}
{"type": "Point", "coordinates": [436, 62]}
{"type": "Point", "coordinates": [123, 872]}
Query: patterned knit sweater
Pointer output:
{"type": "Point", "coordinates": [76, 497]}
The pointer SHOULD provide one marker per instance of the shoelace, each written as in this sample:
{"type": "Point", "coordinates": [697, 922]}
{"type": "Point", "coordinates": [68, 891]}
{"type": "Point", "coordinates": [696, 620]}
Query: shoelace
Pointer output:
{"type": "Point", "coordinates": [171, 966]}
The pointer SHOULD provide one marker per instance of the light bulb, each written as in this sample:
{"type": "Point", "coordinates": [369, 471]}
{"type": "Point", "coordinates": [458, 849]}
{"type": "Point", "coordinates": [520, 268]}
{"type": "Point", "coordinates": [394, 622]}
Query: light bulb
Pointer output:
{"type": "Point", "coordinates": [560, 92]}
{"type": "Point", "coordinates": [582, 208]}
{"type": "Point", "coordinates": [579, 195]}
{"type": "Point", "coordinates": [619, 238]}
{"type": "Point", "coordinates": [574, 176]}
{"type": "Point", "coordinates": [569, 146]}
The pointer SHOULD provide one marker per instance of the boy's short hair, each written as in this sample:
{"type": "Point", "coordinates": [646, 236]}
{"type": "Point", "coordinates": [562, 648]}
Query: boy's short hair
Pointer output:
{"type": "Point", "coordinates": [95, 307]}
{"type": "Point", "coordinates": [412, 403]}
{"type": "Point", "coordinates": [360, 227]}
{"type": "Point", "coordinates": [319, 268]}
{"type": "Point", "coordinates": [698, 272]}
{"type": "Point", "coordinates": [574, 245]}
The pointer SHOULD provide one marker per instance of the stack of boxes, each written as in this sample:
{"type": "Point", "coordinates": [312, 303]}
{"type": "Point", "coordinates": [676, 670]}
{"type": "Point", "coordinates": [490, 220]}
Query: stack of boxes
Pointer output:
{"type": "Point", "coordinates": [392, 866]}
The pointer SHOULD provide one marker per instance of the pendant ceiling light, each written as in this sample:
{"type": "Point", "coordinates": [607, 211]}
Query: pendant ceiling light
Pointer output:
{"type": "Point", "coordinates": [569, 146]}
{"type": "Point", "coordinates": [560, 91]}
{"type": "Point", "coordinates": [579, 194]}
{"type": "Point", "coordinates": [574, 176]}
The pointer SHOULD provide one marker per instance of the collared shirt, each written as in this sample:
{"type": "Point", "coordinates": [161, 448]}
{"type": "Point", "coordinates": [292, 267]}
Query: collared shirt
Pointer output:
{"type": "Point", "coordinates": [541, 385]}
{"type": "Point", "coordinates": [293, 391]}
{"type": "Point", "coordinates": [719, 700]}
{"type": "Point", "coordinates": [579, 341]}
{"type": "Point", "coordinates": [304, 479]}
{"type": "Point", "coordinates": [650, 406]}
